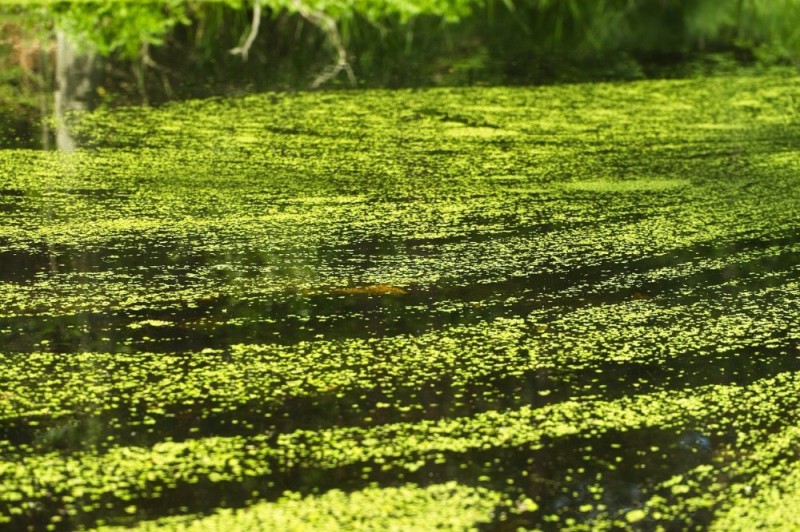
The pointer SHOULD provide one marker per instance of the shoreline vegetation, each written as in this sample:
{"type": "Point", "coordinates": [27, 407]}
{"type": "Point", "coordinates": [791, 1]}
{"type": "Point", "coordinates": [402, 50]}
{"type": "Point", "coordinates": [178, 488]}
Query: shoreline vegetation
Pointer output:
{"type": "Point", "coordinates": [162, 50]}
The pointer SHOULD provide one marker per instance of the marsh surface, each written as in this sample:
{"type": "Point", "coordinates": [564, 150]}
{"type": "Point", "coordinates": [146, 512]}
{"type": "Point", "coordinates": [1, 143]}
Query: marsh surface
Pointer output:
{"type": "Point", "coordinates": [565, 307]}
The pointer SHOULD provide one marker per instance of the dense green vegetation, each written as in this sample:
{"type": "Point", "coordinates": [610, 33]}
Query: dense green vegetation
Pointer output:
{"type": "Point", "coordinates": [407, 307]}
{"type": "Point", "coordinates": [569, 307]}
{"type": "Point", "coordinates": [184, 44]}
{"type": "Point", "coordinates": [163, 50]}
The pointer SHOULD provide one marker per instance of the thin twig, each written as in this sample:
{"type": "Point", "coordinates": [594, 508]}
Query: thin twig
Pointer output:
{"type": "Point", "coordinates": [148, 61]}
{"type": "Point", "coordinates": [328, 25]}
{"type": "Point", "coordinates": [324, 22]}
{"type": "Point", "coordinates": [244, 49]}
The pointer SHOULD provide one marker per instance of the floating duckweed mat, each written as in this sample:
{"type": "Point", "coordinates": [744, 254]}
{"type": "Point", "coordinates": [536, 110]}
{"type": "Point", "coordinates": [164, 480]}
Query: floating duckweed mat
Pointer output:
{"type": "Point", "coordinates": [570, 307]}
{"type": "Point", "coordinates": [446, 506]}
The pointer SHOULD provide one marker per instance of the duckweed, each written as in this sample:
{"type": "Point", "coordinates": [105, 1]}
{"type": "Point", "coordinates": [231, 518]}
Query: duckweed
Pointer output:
{"type": "Point", "coordinates": [445, 506]}
{"type": "Point", "coordinates": [568, 307]}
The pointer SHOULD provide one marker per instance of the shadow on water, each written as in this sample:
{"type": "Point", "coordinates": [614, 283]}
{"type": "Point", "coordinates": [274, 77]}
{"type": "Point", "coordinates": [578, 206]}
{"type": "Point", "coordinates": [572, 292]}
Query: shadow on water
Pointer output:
{"type": "Point", "coordinates": [10, 200]}
{"type": "Point", "coordinates": [145, 257]}
{"type": "Point", "coordinates": [291, 316]}
{"type": "Point", "coordinates": [394, 402]}
{"type": "Point", "coordinates": [620, 466]}
{"type": "Point", "coordinates": [297, 317]}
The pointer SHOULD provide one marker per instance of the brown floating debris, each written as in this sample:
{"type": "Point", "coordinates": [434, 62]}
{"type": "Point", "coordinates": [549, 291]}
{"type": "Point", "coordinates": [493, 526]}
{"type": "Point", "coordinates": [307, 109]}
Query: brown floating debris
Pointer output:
{"type": "Point", "coordinates": [372, 290]}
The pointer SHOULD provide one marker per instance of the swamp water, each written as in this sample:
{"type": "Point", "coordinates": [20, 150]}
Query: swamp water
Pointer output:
{"type": "Point", "coordinates": [570, 307]}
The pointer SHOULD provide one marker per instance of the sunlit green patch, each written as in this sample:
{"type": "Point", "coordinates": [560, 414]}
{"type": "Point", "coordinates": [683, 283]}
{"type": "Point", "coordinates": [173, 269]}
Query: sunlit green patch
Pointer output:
{"type": "Point", "coordinates": [441, 507]}
{"type": "Point", "coordinates": [151, 323]}
{"type": "Point", "coordinates": [633, 185]}
{"type": "Point", "coordinates": [127, 473]}
{"type": "Point", "coordinates": [769, 499]}
{"type": "Point", "coordinates": [460, 130]}
{"type": "Point", "coordinates": [750, 484]}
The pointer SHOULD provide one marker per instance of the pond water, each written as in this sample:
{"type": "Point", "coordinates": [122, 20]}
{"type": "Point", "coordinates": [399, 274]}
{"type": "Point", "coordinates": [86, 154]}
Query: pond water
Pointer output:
{"type": "Point", "coordinates": [570, 307]}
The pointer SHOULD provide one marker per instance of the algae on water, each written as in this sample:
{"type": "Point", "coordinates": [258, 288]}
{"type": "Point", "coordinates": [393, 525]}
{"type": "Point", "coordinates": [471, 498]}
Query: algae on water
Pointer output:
{"type": "Point", "coordinates": [566, 307]}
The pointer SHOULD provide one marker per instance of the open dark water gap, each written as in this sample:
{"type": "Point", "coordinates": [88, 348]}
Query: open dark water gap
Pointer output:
{"type": "Point", "coordinates": [432, 400]}
{"type": "Point", "coordinates": [543, 471]}
{"type": "Point", "coordinates": [293, 317]}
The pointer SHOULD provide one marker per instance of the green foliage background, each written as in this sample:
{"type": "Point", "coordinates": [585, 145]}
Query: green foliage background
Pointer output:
{"type": "Point", "coordinates": [417, 42]}
{"type": "Point", "coordinates": [577, 25]}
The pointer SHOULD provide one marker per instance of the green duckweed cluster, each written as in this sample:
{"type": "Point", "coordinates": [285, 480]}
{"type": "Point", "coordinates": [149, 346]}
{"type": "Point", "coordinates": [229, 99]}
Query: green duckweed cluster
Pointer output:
{"type": "Point", "coordinates": [569, 307]}
{"type": "Point", "coordinates": [447, 506]}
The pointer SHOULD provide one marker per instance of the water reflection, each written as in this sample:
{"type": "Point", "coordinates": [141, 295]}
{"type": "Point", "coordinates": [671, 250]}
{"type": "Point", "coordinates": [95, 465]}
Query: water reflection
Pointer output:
{"type": "Point", "coordinates": [78, 73]}
{"type": "Point", "coordinates": [335, 312]}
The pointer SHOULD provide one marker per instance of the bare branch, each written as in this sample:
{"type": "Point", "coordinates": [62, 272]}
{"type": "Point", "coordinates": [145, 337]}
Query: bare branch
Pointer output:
{"type": "Point", "coordinates": [324, 22]}
{"type": "Point", "coordinates": [244, 49]}
{"type": "Point", "coordinates": [328, 25]}
{"type": "Point", "coordinates": [148, 61]}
